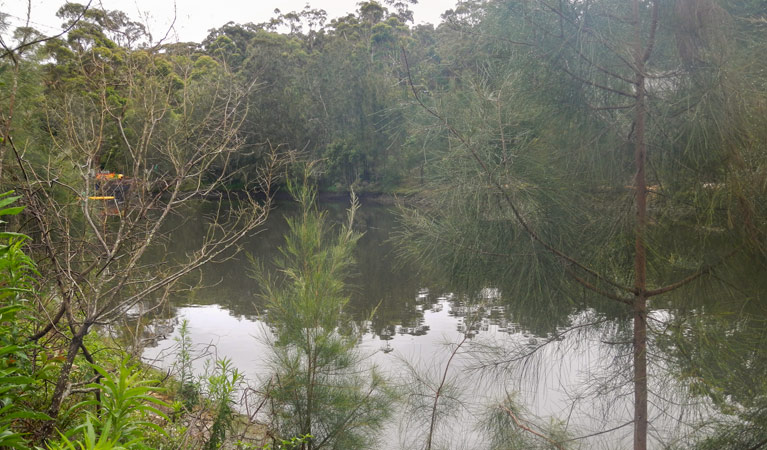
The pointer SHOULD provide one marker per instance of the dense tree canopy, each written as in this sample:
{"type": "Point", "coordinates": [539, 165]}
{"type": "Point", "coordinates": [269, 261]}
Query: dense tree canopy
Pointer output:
{"type": "Point", "coordinates": [603, 158]}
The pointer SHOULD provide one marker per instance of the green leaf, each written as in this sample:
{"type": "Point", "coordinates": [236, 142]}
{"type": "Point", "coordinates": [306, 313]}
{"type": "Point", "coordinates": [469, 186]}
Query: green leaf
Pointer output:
{"type": "Point", "coordinates": [7, 200]}
{"type": "Point", "coordinates": [11, 211]}
{"type": "Point", "coordinates": [11, 234]}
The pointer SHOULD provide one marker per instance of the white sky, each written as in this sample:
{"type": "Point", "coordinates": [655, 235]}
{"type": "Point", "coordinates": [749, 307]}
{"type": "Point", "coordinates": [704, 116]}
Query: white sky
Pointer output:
{"type": "Point", "coordinates": [195, 17]}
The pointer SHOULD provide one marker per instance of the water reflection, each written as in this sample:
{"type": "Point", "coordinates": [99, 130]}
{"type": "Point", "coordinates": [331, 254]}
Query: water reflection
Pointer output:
{"type": "Point", "coordinates": [540, 348]}
{"type": "Point", "coordinates": [399, 293]}
{"type": "Point", "coordinates": [545, 383]}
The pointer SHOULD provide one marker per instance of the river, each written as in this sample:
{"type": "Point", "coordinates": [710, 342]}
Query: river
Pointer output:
{"type": "Point", "coordinates": [411, 323]}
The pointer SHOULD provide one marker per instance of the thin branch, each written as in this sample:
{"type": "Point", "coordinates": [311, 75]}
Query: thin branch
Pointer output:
{"type": "Point", "coordinates": [11, 51]}
{"type": "Point", "coordinates": [586, 436]}
{"type": "Point", "coordinates": [51, 323]}
{"type": "Point", "coordinates": [557, 336]}
{"type": "Point", "coordinates": [678, 284]}
{"type": "Point", "coordinates": [602, 292]}
{"type": "Point", "coordinates": [589, 32]}
{"type": "Point", "coordinates": [438, 392]}
{"type": "Point", "coordinates": [530, 430]}
{"type": "Point", "coordinates": [689, 279]}
{"type": "Point", "coordinates": [589, 61]}
{"type": "Point", "coordinates": [608, 108]}
{"type": "Point", "coordinates": [600, 68]}
{"type": "Point", "coordinates": [566, 70]}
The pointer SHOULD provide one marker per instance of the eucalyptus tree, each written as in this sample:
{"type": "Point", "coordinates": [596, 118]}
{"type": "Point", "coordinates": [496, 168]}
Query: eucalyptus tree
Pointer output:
{"type": "Point", "coordinates": [18, 72]}
{"type": "Point", "coordinates": [602, 153]}
{"type": "Point", "coordinates": [164, 128]}
{"type": "Point", "coordinates": [359, 69]}
{"type": "Point", "coordinates": [330, 88]}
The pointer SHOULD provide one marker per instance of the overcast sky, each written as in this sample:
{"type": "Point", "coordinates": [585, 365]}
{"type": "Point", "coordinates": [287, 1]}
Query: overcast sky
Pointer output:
{"type": "Point", "coordinates": [195, 17]}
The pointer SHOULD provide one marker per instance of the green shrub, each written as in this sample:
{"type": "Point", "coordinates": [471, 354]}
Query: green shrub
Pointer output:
{"type": "Point", "coordinates": [221, 386]}
{"type": "Point", "coordinates": [17, 277]}
{"type": "Point", "coordinates": [124, 415]}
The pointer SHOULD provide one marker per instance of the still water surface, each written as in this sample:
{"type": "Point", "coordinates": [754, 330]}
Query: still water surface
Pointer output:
{"type": "Point", "coordinates": [416, 325]}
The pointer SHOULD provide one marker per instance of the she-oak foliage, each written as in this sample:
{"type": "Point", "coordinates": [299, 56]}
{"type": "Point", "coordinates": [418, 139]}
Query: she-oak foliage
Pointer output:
{"type": "Point", "coordinates": [320, 385]}
{"type": "Point", "coordinates": [601, 155]}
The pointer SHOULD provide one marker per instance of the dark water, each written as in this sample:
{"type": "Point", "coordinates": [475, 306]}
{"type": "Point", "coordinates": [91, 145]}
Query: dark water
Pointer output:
{"type": "Point", "coordinates": [413, 322]}
{"type": "Point", "coordinates": [381, 281]}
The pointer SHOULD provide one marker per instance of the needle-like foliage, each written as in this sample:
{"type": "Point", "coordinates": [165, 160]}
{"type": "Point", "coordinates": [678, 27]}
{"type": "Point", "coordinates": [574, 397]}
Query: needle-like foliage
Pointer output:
{"type": "Point", "coordinates": [602, 155]}
{"type": "Point", "coordinates": [320, 383]}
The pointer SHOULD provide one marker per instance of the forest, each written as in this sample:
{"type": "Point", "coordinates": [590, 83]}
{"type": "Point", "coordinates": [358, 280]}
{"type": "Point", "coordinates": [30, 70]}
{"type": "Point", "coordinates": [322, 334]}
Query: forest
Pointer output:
{"type": "Point", "coordinates": [596, 168]}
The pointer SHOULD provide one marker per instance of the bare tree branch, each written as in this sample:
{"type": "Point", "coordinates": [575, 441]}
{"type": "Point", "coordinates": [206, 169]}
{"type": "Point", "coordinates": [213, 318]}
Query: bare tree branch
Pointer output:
{"type": "Point", "coordinates": [12, 51]}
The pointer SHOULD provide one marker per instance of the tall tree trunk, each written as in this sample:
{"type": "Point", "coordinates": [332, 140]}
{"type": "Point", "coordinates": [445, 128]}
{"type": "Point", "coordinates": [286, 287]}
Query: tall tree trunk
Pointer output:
{"type": "Point", "coordinates": [640, 253]}
{"type": "Point", "coordinates": [640, 277]}
{"type": "Point", "coordinates": [640, 372]}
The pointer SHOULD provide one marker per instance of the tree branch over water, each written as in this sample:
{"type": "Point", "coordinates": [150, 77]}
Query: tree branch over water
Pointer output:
{"type": "Point", "coordinates": [512, 205]}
